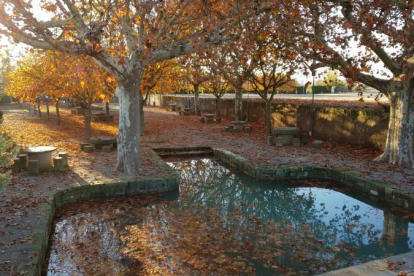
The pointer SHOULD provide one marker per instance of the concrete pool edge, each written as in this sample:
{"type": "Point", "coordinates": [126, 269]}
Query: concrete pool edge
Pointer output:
{"type": "Point", "coordinates": [170, 181]}
{"type": "Point", "coordinates": [402, 263]}
{"type": "Point", "coordinates": [373, 188]}
{"type": "Point", "coordinates": [98, 189]}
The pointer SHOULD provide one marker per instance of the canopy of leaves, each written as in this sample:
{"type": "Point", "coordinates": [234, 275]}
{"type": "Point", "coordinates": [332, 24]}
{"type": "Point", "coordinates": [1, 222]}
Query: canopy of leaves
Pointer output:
{"type": "Point", "coordinates": [59, 75]}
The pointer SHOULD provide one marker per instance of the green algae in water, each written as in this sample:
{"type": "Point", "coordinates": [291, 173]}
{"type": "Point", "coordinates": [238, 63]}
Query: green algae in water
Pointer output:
{"type": "Point", "coordinates": [223, 222]}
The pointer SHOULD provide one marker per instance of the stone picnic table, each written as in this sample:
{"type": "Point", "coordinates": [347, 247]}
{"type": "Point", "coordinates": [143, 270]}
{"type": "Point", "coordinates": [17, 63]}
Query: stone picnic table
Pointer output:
{"type": "Point", "coordinates": [238, 125]}
{"type": "Point", "coordinates": [43, 155]}
{"type": "Point", "coordinates": [99, 141]}
{"type": "Point", "coordinates": [101, 117]}
{"type": "Point", "coordinates": [284, 136]}
{"type": "Point", "coordinates": [172, 107]}
{"type": "Point", "coordinates": [77, 111]}
{"type": "Point", "coordinates": [209, 117]}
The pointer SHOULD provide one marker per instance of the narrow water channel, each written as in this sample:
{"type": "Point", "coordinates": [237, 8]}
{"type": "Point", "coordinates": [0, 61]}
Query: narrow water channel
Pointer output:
{"type": "Point", "coordinates": [224, 222]}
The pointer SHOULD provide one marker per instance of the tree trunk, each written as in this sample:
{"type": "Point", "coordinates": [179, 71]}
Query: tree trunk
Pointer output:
{"type": "Point", "coordinates": [47, 109]}
{"type": "Point", "coordinates": [268, 113]}
{"type": "Point", "coordinates": [107, 112]}
{"type": "Point", "coordinates": [38, 108]}
{"type": "Point", "coordinates": [239, 105]}
{"type": "Point", "coordinates": [129, 131]}
{"type": "Point", "coordinates": [88, 119]}
{"type": "Point", "coordinates": [196, 99]}
{"type": "Point", "coordinates": [142, 116]}
{"type": "Point", "coordinates": [34, 109]}
{"type": "Point", "coordinates": [218, 113]}
{"type": "Point", "coordinates": [399, 145]}
{"type": "Point", "coordinates": [57, 112]}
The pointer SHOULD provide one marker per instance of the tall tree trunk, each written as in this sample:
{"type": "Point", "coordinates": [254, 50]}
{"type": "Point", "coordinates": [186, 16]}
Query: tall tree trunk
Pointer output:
{"type": "Point", "coordinates": [196, 99]}
{"type": "Point", "coordinates": [218, 113]}
{"type": "Point", "coordinates": [399, 145]}
{"type": "Point", "coordinates": [141, 114]}
{"type": "Point", "coordinates": [268, 113]}
{"type": "Point", "coordinates": [47, 108]}
{"type": "Point", "coordinates": [238, 105]}
{"type": "Point", "coordinates": [88, 119]}
{"type": "Point", "coordinates": [107, 112]}
{"type": "Point", "coordinates": [68, 103]}
{"type": "Point", "coordinates": [58, 112]}
{"type": "Point", "coordinates": [129, 131]}
{"type": "Point", "coordinates": [38, 108]}
{"type": "Point", "coordinates": [34, 109]}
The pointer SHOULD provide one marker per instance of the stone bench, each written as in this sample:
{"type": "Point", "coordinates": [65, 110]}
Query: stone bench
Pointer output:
{"type": "Point", "coordinates": [239, 126]}
{"type": "Point", "coordinates": [285, 136]}
{"type": "Point", "coordinates": [99, 141]}
{"type": "Point", "coordinates": [186, 112]}
{"type": "Point", "coordinates": [77, 111]}
{"type": "Point", "coordinates": [102, 117]}
{"type": "Point", "coordinates": [172, 107]}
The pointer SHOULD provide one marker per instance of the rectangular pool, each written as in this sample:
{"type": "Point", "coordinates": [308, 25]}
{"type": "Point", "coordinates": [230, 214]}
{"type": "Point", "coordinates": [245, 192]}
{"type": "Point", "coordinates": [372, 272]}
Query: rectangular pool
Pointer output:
{"type": "Point", "coordinates": [223, 222]}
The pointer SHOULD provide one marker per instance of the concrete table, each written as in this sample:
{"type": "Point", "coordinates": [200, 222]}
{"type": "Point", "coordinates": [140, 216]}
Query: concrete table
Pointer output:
{"type": "Point", "coordinates": [172, 107]}
{"type": "Point", "coordinates": [99, 141]}
{"type": "Point", "coordinates": [238, 126]}
{"type": "Point", "coordinates": [186, 111]}
{"type": "Point", "coordinates": [101, 117]}
{"type": "Point", "coordinates": [209, 117]}
{"type": "Point", "coordinates": [43, 154]}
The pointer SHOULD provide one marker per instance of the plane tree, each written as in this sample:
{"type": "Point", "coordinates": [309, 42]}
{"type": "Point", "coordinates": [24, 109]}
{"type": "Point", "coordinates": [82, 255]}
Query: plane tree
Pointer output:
{"type": "Point", "coordinates": [125, 37]}
{"type": "Point", "coordinates": [371, 42]}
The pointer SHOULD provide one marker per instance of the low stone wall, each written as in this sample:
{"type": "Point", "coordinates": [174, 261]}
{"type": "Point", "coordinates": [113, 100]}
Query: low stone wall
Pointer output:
{"type": "Point", "coordinates": [358, 127]}
{"type": "Point", "coordinates": [374, 188]}
{"type": "Point", "coordinates": [125, 187]}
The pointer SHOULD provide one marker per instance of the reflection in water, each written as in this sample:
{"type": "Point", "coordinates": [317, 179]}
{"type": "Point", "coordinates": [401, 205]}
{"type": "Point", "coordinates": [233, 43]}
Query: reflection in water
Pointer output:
{"type": "Point", "coordinates": [223, 222]}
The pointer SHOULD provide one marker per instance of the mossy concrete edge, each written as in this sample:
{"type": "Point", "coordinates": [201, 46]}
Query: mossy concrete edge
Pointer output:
{"type": "Point", "coordinates": [97, 189]}
{"type": "Point", "coordinates": [351, 180]}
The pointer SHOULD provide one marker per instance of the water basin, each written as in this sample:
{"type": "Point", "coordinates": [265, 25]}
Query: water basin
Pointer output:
{"type": "Point", "coordinates": [223, 222]}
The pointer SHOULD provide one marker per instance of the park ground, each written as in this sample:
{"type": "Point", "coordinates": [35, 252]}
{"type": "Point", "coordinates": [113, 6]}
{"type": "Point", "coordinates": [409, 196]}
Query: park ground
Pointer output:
{"type": "Point", "coordinates": [19, 200]}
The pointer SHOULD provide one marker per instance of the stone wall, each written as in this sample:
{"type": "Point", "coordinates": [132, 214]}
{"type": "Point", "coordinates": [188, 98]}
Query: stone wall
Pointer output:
{"type": "Point", "coordinates": [359, 127]}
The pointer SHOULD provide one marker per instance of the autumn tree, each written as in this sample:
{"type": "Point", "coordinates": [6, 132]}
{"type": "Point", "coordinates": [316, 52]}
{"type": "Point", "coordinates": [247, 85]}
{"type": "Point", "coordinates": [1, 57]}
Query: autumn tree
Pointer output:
{"type": "Point", "coordinates": [272, 71]}
{"type": "Point", "coordinates": [174, 79]}
{"type": "Point", "coordinates": [7, 149]}
{"type": "Point", "coordinates": [5, 68]}
{"type": "Point", "coordinates": [331, 78]}
{"type": "Point", "coordinates": [233, 61]}
{"type": "Point", "coordinates": [216, 85]}
{"type": "Point", "coordinates": [371, 42]}
{"type": "Point", "coordinates": [87, 83]}
{"type": "Point", "coordinates": [54, 75]}
{"type": "Point", "coordinates": [196, 75]}
{"type": "Point", "coordinates": [125, 37]}
{"type": "Point", "coordinates": [30, 79]}
{"type": "Point", "coordinates": [150, 79]}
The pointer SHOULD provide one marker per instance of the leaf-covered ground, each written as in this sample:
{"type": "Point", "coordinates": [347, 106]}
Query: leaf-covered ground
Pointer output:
{"type": "Point", "coordinates": [18, 207]}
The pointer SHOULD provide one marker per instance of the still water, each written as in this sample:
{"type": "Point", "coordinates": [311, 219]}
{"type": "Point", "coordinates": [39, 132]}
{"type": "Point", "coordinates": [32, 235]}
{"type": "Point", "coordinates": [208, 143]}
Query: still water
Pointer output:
{"type": "Point", "coordinates": [223, 222]}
